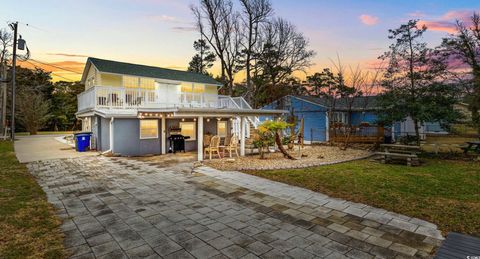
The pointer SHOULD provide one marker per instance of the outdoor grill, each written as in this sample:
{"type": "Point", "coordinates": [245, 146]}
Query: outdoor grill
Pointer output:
{"type": "Point", "coordinates": [177, 143]}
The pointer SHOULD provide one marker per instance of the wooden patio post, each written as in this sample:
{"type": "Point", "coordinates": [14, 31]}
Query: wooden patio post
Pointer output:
{"type": "Point", "coordinates": [242, 136]}
{"type": "Point", "coordinates": [200, 138]}
{"type": "Point", "coordinates": [164, 134]}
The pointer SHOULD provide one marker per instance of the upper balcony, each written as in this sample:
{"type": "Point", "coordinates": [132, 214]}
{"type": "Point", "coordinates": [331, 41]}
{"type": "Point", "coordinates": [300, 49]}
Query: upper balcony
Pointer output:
{"type": "Point", "coordinates": [105, 97]}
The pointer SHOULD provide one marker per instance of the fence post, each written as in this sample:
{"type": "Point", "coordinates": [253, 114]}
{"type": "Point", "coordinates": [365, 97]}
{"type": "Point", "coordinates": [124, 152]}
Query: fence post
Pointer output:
{"type": "Point", "coordinates": [380, 134]}
{"type": "Point", "coordinates": [311, 136]}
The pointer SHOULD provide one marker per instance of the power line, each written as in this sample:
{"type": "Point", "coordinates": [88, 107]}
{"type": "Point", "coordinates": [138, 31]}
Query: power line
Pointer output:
{"type": "Point", "coordinates": [55, 66]}
{"type": "Point", "coordinates": [68, 79]}
{"type": "Point", "coordinates": [27, 25]}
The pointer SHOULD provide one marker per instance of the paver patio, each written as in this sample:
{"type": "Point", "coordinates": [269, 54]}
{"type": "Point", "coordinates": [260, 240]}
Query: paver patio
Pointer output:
{"type": "Point", "coordinates": [118, 207]}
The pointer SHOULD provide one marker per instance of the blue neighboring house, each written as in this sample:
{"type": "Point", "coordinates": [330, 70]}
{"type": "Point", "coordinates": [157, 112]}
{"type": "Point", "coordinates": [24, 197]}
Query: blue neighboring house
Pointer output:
{"type": "Point", "coordinates": [314, 111]}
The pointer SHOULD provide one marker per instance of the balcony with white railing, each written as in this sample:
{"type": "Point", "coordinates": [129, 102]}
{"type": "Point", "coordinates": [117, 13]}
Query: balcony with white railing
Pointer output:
{"type": "Point", "coordinates": [104, 97]}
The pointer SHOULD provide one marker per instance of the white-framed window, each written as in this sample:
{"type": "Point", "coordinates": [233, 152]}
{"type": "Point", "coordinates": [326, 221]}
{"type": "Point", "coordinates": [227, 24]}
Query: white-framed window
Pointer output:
{"type": "Point", "coordinates": [148, 129]}
{"type": "Point", "coordinates": [189, 128]}
{"type": "Point", "coordinates": [340, 117]}
{"type": "Point", "coordinates": [222, 128]}
{"type": "Point", "coordinates": [138, 82]}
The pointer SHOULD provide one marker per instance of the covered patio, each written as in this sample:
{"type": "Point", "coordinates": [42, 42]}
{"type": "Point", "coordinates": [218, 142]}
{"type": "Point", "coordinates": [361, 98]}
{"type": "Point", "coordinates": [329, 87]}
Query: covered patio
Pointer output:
{"type": "Point", "coordinates": [197, 124]}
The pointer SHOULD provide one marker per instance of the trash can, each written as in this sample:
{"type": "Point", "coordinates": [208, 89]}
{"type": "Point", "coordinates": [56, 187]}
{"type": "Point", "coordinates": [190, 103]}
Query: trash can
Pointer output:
{"type": "Point", "coordinates": [82, 141]}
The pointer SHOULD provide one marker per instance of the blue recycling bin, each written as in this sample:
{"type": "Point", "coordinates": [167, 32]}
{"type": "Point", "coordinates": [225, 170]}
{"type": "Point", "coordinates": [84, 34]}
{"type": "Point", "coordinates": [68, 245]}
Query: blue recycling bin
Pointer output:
{"type": "Point", "coordinates": [82, 141]}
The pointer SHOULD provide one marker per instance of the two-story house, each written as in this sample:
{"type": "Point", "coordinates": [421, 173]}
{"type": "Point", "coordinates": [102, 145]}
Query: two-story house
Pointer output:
{"type": "Point", "coordinates": [133, 109]}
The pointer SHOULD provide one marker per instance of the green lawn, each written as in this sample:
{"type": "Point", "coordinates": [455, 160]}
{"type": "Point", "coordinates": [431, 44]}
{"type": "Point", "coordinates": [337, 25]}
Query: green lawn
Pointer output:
{"type": "Point", "coordinates": [443, 192]}
{"type": "Point", "coordinates": [28, 225]}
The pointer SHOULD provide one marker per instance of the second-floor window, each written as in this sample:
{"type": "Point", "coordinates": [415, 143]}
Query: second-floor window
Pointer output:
{"type": "Point", "coordinates": [90, 82]}
{"type": "Point", "coordinates": [138, 82]}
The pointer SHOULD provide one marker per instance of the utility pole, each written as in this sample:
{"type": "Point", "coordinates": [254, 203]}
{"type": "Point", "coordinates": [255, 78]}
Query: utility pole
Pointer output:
{"type": "Point", "coordinates": [14, 27]}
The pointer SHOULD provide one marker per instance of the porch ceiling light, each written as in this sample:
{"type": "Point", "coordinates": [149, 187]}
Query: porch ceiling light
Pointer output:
{"type": "Point", "coordinates": [208, 119]}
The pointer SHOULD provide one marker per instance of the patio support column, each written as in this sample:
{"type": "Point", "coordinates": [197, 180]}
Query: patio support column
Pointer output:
{"type": "Point", "coordinates": [200, 138]}
{"type": "Point", "coordinates": [112, 139]}
{"type": "Point", "coordinates": [242, 136]}
{"type": "Point", "coordinates": [164, 135]}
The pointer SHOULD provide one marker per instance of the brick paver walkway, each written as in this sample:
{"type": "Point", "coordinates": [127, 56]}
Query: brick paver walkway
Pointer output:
{"type": "Point", "coordinates": [118, 208]}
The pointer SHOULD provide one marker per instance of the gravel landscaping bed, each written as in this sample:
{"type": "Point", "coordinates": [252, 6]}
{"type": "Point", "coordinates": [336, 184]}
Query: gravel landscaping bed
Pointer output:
{"type": "Point", "coordinates": [310, 156]}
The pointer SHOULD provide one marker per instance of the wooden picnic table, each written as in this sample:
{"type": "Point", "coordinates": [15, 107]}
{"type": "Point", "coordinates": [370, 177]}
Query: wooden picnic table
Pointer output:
{"type": "Point", "coordinates": [394, 148]}
{"type": "Point", "coordinates": [472, 145]}
{"type": "Point", "coordinates": [400, 151]}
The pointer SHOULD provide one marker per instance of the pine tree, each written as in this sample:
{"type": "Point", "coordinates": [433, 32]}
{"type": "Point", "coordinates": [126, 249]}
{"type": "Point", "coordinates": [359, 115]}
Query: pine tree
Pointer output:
{"type": "Point", "coordinates": [203, 59]}
{"type": "Point", "coordinates": [414, 81]}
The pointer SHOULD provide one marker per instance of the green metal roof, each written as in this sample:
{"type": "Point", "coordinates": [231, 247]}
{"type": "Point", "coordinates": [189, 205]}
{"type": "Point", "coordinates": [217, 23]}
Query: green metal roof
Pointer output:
{"type": "Point", "coordinates": [123, 68]}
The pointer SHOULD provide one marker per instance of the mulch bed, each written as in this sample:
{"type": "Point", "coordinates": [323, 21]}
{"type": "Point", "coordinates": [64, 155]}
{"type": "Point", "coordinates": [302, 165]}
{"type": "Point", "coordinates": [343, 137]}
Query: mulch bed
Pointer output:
{"type": "Point", "coordinates": [307, 157]}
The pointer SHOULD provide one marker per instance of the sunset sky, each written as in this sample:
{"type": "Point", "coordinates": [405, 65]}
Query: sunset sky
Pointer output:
{"type": "Point", "coordinates": [160, 32]}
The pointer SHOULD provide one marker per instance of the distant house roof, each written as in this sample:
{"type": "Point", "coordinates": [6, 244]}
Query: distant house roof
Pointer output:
{"type": "Point", "coordinates": [110, 66]}
{"type": "Point", "coordinates": [359, 103]}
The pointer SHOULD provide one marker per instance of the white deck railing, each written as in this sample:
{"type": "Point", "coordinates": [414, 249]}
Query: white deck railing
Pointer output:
{"type": "Point", "coordinates": [121, 98]}
{"type": "Point", "coordinates": [243, 104]}
{"type": "Point", "coordinates": [105, 97]}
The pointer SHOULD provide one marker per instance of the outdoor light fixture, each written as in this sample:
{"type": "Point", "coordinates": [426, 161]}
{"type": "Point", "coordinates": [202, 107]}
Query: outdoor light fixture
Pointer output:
{"type": "Point", "coordinates": [183, 119]}
{"type": "Point", "coordinates": [218, 119]}
{"type": "Point", "coordinates": [208, 119]}
{"type": "Point", "coordinates": [194, 119]}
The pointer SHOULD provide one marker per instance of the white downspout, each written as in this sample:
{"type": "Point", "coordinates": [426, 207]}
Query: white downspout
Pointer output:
{"type": "Point", "coordinates": [111, 137]}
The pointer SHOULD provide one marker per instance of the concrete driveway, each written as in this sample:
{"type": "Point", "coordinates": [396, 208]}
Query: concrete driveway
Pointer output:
{"type": "Point", "coordinates": [44, 147]}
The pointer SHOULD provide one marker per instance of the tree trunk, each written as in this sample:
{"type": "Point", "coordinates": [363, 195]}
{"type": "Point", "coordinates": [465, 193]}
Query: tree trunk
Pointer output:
{"type": "Point", "coordinates": [476, 119]}
{"type": "Point", "coordinates": [262, 153]}
{"type": "Point", "coordinates": [280, 146]}
{"type": "Point", "coordinates": [475, 104]}
{"type": "Point", "coordinates": [417, 131]}
{"type": "Point", "coordinates": [247, 71]}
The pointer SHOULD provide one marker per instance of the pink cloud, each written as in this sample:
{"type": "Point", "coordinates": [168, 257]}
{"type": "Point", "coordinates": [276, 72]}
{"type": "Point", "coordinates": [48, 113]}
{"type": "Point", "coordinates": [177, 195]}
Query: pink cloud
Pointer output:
{"type": "Point", "coordinates": [443, 26]}
{"type": "Point", "coordinates": [447, 22]}
{"type": "Point", "coordinates": [368, 19]}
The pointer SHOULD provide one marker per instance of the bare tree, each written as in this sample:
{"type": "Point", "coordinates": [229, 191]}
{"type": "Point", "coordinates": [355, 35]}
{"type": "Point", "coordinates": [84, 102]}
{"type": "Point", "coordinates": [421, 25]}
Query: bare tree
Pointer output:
{"type": "Point", "coordinates": [357, 96]}
{"type": "Point", "coordinates": [282, 51]}
{"type": "Point", "coordinates": [255, 13]}
{"type": "Point", "coordinates": [6, 40]}
{"type": "Point", "coordinates": [33, 110]}
{"type": "Point", "coordinates": [218, 24]}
